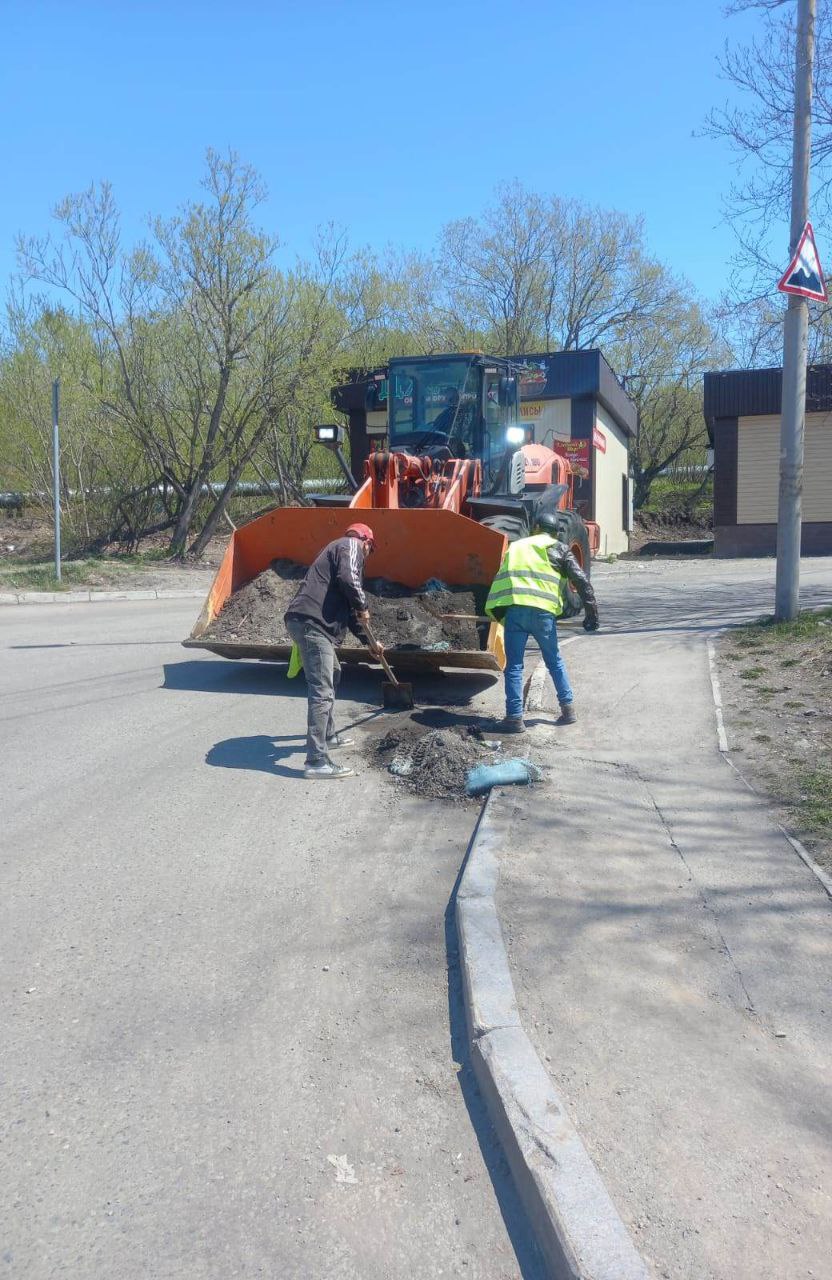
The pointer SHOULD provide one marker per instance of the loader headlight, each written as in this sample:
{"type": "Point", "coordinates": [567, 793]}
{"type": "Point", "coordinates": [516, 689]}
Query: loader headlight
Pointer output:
{"type": "Point", "coordinates": [329, 434]}
{"type": "Point", "coordinates": [515, 435]}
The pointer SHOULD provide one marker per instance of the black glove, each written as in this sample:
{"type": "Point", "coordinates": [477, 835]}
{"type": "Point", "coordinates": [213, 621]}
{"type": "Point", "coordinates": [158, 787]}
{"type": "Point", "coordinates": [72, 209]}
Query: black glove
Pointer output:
{"type": "Point", "coordinates": [591, 622]}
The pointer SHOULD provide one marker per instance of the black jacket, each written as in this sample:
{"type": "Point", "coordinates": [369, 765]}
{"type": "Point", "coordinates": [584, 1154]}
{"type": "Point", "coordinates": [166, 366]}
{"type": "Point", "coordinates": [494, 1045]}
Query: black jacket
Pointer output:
{"type": "Point", "coordinates": [333, 590]}
{"type": "Point", "coordinates": [562, 559]}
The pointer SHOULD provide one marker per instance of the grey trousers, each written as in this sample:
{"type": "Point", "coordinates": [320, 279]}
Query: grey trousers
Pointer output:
{"type": "Point", "coordinates": [323, 674]}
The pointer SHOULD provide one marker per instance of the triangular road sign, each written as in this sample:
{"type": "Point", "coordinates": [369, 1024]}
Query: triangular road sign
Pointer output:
{"type": "Point", "coordinates": [803, 275]}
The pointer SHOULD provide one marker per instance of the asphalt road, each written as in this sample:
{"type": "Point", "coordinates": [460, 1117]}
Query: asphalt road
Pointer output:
{"type": "Point", "coordinates": [228, 1044]}
{"type": "Point", "coordinates": [229, 1048]}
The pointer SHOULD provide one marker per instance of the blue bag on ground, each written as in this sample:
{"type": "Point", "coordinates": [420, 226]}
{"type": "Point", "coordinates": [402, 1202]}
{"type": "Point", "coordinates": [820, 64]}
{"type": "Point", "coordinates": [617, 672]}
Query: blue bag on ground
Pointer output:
{"type": "Point", "coordinates": [485, 776]}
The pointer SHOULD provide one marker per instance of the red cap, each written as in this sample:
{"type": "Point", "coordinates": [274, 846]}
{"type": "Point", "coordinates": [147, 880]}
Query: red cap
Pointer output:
{"type": "Point", "coordinates": [364, 532]}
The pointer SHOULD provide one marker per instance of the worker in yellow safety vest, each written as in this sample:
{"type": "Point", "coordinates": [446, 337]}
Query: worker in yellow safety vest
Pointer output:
{"type": "Point", "coordinates": [528, 596]}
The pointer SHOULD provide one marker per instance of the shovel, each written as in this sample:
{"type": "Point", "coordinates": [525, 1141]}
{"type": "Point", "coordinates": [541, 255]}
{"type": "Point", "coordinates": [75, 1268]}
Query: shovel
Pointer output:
{"type": "Point", "coordinates": [395, 695]}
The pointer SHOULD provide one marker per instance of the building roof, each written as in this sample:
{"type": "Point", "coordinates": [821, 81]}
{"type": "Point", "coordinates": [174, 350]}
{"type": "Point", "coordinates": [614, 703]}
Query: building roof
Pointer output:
{"type": "Point", "coordinates": [740, 393]}
{"type": "Point", "coordinates": [571, 374]}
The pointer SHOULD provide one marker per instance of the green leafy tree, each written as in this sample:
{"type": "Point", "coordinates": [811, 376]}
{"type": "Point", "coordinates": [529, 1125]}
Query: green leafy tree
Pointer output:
{"type": "Point", "coordinates": [106, 490]}
{"type": "Point", "coordinates": [662, 363]}
{"type": "Point", "coordinates": [195, 334]}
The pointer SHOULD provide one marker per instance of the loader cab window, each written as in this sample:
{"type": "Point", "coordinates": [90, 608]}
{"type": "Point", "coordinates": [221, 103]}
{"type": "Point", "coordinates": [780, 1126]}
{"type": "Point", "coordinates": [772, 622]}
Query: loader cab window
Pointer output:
{"type": "Point", "coordinates": [493, 408]}
{"type": "Point", "coordinates": [436, 404]}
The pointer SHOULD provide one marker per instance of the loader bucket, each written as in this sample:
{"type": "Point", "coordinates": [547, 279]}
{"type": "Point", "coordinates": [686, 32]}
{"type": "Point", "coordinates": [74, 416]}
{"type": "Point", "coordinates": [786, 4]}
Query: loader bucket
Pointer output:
{"type": "Point", "coordinates": [412, 546]}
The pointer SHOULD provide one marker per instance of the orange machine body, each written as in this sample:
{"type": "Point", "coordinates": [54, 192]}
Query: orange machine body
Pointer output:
{"type": "Point", "coordinates": [413, 545]}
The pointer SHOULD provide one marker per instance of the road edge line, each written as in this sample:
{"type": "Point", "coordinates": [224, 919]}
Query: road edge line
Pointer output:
{"type": "Point", "coordinates": [579, 1230]}
{"type": "Point", "coordinates": [799, 848]}
{"type": "Point", "coordinates": [96, 597]}
{"type": "Point", "coordinates": [716, 691]}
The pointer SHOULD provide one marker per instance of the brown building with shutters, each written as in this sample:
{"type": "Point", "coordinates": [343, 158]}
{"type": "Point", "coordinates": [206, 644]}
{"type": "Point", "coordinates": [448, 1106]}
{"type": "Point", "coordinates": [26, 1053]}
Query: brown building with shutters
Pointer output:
{"type": "Point", "coordinates": [742, 412]}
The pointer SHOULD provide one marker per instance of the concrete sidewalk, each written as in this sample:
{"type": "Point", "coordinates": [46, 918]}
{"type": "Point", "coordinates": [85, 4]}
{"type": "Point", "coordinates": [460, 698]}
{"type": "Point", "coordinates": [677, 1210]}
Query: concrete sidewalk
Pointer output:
{"type": "Point", "coordinates": [670, 954]}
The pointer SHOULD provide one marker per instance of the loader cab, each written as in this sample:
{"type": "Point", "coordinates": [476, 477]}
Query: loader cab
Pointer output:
{"type": "Point", "coordinates": [459, 406]}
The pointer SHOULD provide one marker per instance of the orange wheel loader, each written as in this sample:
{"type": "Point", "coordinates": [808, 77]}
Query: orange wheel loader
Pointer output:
{"type": "Point", "coordinates": [454, 477]}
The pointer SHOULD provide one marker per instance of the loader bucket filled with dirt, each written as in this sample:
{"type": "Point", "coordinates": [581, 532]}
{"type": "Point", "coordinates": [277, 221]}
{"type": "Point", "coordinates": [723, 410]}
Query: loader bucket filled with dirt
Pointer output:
{"type": "Point", "coordinates": [426, 581]}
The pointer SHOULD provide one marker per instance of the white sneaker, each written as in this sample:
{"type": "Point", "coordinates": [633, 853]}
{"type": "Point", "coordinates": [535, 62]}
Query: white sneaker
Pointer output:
{"type": "Point", "coordinates": [340, 740]}
{"type": "Point", "coordinates": [327, 770]}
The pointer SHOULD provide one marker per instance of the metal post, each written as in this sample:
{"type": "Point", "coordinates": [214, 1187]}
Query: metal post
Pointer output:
{"type": "Point", "coordinates": [56, 475]}
{"type": "Point", "coordinates": [795, 334]}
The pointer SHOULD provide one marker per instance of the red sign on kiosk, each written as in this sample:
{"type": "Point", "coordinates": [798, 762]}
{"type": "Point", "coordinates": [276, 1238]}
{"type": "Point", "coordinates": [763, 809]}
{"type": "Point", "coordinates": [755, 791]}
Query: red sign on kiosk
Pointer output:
{"type": "Point", "coordinates": [576, 453]}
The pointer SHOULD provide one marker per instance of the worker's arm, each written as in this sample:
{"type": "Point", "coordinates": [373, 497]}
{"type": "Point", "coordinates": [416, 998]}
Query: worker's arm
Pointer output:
{"type": "Point", "coordinates": [356, 626]}
{"type": "Point", "coordinates": [562, 559]}
{"type": "Point", "coordinates": [349, 575]}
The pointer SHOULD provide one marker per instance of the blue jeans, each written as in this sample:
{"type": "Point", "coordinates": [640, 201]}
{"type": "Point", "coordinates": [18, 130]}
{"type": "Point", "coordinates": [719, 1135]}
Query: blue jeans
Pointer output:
{"type": "Point", "coordinates": [520, 622]}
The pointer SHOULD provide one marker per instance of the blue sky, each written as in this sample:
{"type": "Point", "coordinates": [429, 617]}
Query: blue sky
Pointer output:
{"type": "Point", "coordinates": [388, 119]}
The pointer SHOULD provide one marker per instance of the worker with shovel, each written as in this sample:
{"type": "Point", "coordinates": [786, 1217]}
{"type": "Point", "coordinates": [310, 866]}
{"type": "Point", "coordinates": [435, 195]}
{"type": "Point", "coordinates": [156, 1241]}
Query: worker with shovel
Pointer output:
{"type": "Point", "coordinates": [330, 599]}
{"type": "Point", "coordinates": [527, 596]}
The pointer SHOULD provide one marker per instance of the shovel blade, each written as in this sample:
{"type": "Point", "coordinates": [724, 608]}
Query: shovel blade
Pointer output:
{"type": "Point", "coordinates": [397, 697]}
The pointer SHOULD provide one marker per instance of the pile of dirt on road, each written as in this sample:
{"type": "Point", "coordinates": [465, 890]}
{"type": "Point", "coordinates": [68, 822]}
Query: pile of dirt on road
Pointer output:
{"type": "Point", "coordinates": [401, 618]}
{"type": "Point", "coordinates": [432, 763]}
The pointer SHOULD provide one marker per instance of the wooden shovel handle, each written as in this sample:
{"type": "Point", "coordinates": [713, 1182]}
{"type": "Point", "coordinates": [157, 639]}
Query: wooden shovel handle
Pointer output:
{"type": "Point", "coordinates": [380, 656]}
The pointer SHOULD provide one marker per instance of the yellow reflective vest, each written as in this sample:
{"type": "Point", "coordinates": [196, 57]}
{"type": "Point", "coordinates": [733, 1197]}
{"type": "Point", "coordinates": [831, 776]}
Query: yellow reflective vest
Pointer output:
{"type": "Point", "coordinates": [526, 577]}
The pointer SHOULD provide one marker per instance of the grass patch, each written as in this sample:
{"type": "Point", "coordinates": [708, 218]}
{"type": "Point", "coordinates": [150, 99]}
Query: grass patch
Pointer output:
{"type": "Point", "coordinates": [762, 737]}
{"type": "Point", "coordinates": [74, 573]}
{"type": "Point", "coordinates": [752, 673]}
{"type": "Point", "coordinates": [668, 495]}
{"type": "Point", "coordinates": [809, 625]}
{"type": "Point", "coordinates": [813, 802]}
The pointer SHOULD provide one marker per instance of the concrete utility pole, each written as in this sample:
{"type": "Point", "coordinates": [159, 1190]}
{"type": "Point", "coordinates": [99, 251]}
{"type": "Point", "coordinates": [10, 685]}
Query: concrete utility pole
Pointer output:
{"type": "Point", "coordinates": [56, 475]}
{"type": "Point", "coordinates": [795, 332]}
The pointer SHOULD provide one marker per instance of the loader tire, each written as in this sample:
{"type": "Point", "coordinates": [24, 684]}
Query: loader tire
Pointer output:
{"type": "Point", "coordinates": [572, 531]}
{"type": "Point", "coordinates": [513, 526]}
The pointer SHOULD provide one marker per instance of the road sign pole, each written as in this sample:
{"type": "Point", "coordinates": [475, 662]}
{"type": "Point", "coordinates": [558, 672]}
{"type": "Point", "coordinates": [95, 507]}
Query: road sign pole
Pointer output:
{"type": "Point", "coordinates": [56, 475]}
{"type": "Point", "coordinates": [795, 335]}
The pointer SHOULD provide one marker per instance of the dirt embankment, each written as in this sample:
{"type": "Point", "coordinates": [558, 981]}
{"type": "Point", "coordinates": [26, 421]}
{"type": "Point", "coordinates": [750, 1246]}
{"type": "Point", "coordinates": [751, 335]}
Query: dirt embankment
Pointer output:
{"type": "Point", "coordinates": [654, 529]}
{"type": "Point", "coordinates": [401, 618]}
{"type": "Point", "coordinates": [777, 698]}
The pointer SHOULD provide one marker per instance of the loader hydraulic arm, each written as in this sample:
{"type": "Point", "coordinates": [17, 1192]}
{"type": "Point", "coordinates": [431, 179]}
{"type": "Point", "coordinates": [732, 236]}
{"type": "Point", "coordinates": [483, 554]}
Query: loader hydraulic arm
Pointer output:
{"type": "Point", "coordinates": [395, 480]}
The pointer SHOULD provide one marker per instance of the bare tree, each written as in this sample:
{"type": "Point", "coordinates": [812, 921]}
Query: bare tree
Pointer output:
{"type": "Point", "coordinates": [662, 362]}
{"type": "Point", "coordinates": [757, 127]}
{"type": "Point", "coordinates": [539, 272]}
{"type": "Point", "coordinates": [196, 334]}
{"type": "Point", "coordinates": [497, 268]}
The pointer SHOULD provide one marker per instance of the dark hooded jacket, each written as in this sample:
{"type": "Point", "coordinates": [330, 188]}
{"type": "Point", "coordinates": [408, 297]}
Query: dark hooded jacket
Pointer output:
{"type": "Point", "coordinates": [332, 592]}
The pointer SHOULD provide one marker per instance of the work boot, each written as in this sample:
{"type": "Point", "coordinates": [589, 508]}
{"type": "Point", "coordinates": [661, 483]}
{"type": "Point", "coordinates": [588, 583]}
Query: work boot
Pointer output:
{"type": "Point", "coordinates": [511, 724]}
{"type": "Point", "coordinates": [327, 770]}
{"type": "Point", "coordinates": [567, 713]}
{"type": "Point", "coordinates": [339, 740]}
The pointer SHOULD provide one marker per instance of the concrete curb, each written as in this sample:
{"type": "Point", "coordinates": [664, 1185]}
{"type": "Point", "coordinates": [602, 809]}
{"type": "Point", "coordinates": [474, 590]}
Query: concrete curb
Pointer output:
{"type": "Point", "coordinates": [577, 1226]}
{"type": "Point", "coordinates": [96, 597]}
